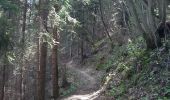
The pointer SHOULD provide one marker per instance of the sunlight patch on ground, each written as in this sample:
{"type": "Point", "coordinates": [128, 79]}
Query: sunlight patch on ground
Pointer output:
{"type": "Point", "coordinates": [90, 96]}
{"type": "Point", "coordinates": [94, 95]}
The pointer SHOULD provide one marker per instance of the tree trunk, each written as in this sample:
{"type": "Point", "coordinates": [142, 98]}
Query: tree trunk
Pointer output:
{"type": "Point", "coordinates": [23, 52]}
{"type": "Point", "coordinates": [42, 72]}
{"type": "Point", "coordinates": [65, 83]}
{"type": "Point", "coordinates": [2, 81]}
{"type": "Point", "coordinates": [151, 42]}
{"type": "Point", "coordinates": [163, 11]}
{"type": "Point", "coordinates": [82, 48]}
{"type": "Point", "coordinates": [160, 8]}
{"type": "Point", "coordinates": [71, 46]}
{"type": "Point", "coordinates": [38, 67]}
{"type": "Point", "coordinates": [104, 24]}
{"type": "Point", "coordinates": [94, 24]}
{"type": "Point", "coordinates": [4, 77]}
{"type": "Point", "coordinates": [164, 15]}
{"type": "Point", "coordinates": [55, 91]}
{"type": "Point", "coordinates": [150, 24]}
{"type": "Point", "coordinates": [43, 53]}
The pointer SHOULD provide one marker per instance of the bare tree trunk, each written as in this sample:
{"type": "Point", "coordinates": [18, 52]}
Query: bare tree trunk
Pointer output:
{"type": "Point", "coordinates": [94, 25]}
{"type": "Point", "coordinates": [163, 11]}
{"type": "Point", "coordinates": [78, 48]}
{"type": "Point", "coordinates": [42, 54]}
{"type": "Point", "coordinates": [104, 24]}
{"type": "Point", "coordinates": [164, 15]}
{"type": "Point", "coordinates": [55, 94]}
{"type": "Point", "coordinates": [71, 46]}
{"type": "Point", "coordinates": [160, 8]}
{"type": "Point", "coordinates": [82, 48]}
{"type": "Point", "coordinates": [150, 25]}
{"type": "Point", "coordinates": [150, 16]}
{"type": "Point", "coordinates": [38, 66]}
{"type": "Point", "coordinates": [150, 41]}
{"type": "Point", "coordinates": [4, 77]}
{"type": "Point", "coordinates": [23, 52]}
{"type": "Point", "coordinates": [65, 83]}
{"type": "Point", "coordinates": [42, 71]}
{"type": "Point", "coordinates": [2, 85]}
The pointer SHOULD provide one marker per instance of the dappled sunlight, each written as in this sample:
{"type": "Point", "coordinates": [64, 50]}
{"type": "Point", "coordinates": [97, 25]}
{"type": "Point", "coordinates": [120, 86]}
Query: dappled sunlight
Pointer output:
{"type": "Point", "coordinates": [84, 49]}
{"type": "Point", "coordinates": [90, 96]}
{"type": "Point", "coordinates": [93, 95]}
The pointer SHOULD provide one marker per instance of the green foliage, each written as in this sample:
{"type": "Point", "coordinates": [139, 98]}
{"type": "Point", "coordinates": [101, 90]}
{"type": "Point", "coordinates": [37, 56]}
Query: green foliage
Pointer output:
{"type": "Point", "coordinates": [5, 30]}
{"type": "Point", "coordinates": [121, 66]}
{"type": "Point", "coordinates": [167, 92]}
{"type": "Point", "coordinates": [123, 57]}
{"type": "Point", "coordinates": [7, 27]}
{"type": "Point", "coordinates": [144, 98]}
{"type": "Point", "coordinates": [118, 91]}
{"type": "Point", "coordinates": [105, 64]}
{"type": "Point", "coordinates": [10, 57]}
{"type": "Point", "coordinates": [136, 48]}
{"type": "Point", "coordinates": [8, 5]}
{"type": "Point", "coordinates": [70, 90]}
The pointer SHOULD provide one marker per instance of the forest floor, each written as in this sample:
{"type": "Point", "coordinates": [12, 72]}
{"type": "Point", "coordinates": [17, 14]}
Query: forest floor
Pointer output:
{"type": "Point", "coordinates": [87, 83]}
{"type": "Point", "coordinates": [145, 78]}
{"type": "Point", "coordinates": [87, 80]}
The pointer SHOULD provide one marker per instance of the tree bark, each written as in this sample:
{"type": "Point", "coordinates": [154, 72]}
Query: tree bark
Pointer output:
{"type": "Point", "coordinates": [164, 15]}
{"type": "Point", "coordinates": [149, 38]}
{"type": "Point", "coordinates": [42, 53]}
{"type": "Point", "coordinates": [162, 10]}
{"type": "Point", "coordinates": [55, 91]}
{"type": "Point", "coordinates": [23, 52]}
{"type": "Point", "coordinates": [38, 67]}
{"type": "Point", "coordinates": [2, 85]}
{"type": "Point", "coordinates": [65, 83]}
{"type": "Point", "coordinates": [104, 24]}
{"type": "Point", "coordinates": [81, 47]}
{"type": "Point", "coordinates": [42, 71]}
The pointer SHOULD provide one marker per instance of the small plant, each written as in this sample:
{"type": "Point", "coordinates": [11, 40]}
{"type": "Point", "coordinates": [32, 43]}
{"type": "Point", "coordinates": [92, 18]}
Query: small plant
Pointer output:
{"type": "Point", "coordinates": [136, 48]}
{"type": "Point", "coordinates": [167, 92]}
{"type": "Point", "coordinates": [70, 90]}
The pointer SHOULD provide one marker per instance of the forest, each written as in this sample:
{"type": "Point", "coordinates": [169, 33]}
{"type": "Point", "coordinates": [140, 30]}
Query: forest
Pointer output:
{"type": "Point", "coordinates": [84, 49]}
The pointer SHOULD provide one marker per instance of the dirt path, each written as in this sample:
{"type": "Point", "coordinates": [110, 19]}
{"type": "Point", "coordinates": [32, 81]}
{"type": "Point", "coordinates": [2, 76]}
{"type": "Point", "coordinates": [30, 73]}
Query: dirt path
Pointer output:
{"type": "Point", "coordinates": [89, 82]}
{"type": "Point", "coordinates": [86, 76]}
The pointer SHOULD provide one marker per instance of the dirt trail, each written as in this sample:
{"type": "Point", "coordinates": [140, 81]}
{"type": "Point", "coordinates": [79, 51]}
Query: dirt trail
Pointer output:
{"type": "Point", "coordinates": [90, 79]}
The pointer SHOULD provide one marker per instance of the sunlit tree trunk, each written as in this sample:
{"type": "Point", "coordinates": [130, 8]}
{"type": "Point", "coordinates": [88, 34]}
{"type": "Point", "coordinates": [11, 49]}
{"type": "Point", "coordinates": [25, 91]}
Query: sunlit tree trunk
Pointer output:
{"type": "Point", "coordinates": [42, 46]}
{"type": "Point", "coordinates": [55, 86]}
{"type": "Point", "coordinates": [41, 67]}
{"type": "Point", "coordinates": [22, 68]}
{"type": "Point", "coordinates": [38, 67]}
{"type": "Point", "coordinates": [42, 71]}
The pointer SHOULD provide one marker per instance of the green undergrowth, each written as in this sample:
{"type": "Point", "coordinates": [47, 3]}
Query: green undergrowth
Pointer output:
{"type": "Point", "coordinates": [69, 90]}
{"type": "Point", "coordinates": [145, 75]}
